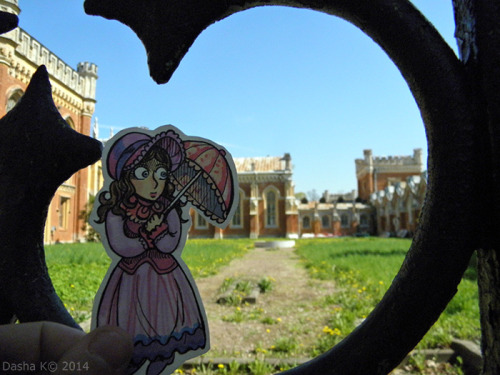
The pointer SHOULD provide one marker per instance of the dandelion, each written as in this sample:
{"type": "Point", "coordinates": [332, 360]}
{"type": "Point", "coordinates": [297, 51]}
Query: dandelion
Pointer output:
{"type": "Point", "coordinates": [328, 330]}
{"type": "Point", "coordinates": [332, 332]}
{"type": "Point", "coordinates": [221, 366]}
{"type": "Point", "coordinates": [72, 285]}
{"type": "Point", "coordinates": [381, 283]}
{"type": "Point", "coordinates": [278, 320]}
{"type": "Point", "coordinates": [268, 330]}
{"type": "Point", "coordinates": [360, 291]}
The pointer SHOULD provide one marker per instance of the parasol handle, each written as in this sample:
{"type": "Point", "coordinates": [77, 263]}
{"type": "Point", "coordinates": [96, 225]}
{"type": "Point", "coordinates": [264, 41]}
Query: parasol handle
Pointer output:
{"type": "Point", "coordinates": [181, 193]}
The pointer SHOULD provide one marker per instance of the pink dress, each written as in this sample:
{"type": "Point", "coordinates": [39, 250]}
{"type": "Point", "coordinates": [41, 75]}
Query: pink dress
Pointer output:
{"type": "Point", "coordinates": [148, 293]}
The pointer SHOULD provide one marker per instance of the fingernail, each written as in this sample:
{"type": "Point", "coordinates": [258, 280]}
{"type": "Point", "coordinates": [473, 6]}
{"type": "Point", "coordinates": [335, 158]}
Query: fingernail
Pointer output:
{"type": "Point", "coordinates": [114, 347]}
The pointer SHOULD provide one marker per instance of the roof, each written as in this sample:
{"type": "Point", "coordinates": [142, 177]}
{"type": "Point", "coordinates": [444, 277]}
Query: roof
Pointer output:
{"type": "Point", "coordinates": [260, 164]}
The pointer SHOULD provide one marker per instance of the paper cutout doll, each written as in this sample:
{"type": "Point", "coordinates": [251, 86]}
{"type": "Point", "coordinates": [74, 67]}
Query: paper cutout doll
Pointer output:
{"type": "Point", "coordinates": [151, 181]}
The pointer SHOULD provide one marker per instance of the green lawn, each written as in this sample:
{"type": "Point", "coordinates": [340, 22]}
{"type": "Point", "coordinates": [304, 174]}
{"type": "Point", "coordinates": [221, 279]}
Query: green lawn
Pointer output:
{"type": "Point", "coordinates": [77, 270]}
{"type": "Point", "coordinates": [363, 269]}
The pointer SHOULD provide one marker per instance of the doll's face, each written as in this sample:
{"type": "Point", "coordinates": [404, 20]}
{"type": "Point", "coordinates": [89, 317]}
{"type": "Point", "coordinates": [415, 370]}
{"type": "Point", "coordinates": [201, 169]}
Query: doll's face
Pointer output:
{"type": "Point", "coordinates": [149, 179]}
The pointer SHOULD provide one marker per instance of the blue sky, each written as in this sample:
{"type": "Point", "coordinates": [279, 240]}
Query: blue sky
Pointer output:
{"type": "Point", "coordinates": [263, 82]}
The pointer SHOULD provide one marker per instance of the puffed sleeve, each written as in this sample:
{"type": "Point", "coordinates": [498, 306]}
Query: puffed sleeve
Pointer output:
{"type": "Point", "coordinates": [118, 241]}
{"type": "Point", "coordinates": [168, 241]}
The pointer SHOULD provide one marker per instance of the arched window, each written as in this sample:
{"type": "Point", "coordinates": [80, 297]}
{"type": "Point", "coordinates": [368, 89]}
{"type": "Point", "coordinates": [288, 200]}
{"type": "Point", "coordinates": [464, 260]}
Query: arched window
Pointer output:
{"type": "Point", "coordinates": [271, 209]}
{"type": "Point", "coordinates": [13, 99]}
{"type": "Point", "coordinates": [306, 222]}
{"type": "Point", "coordinates": [237, 221]}
{"type": "Point", "coordinates": [325, 221]}
{"type": "Point", "coordinates": [70, 122]}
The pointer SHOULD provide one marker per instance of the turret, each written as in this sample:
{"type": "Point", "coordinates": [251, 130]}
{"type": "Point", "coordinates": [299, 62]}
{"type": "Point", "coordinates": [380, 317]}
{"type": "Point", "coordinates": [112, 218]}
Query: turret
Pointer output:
{"type": "Point", "coordinates": [10, 6]}
{"type": "Point", "coordinates": [88, 72]}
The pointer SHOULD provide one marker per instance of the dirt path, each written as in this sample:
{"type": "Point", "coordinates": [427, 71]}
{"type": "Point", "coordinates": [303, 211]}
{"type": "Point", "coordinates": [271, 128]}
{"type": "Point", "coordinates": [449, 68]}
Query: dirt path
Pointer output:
{"type": "Point", "coordinates": [286, 318]}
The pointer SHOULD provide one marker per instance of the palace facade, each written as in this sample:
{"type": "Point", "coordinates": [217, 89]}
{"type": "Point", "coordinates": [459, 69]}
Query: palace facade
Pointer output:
{"type": "Point", "coordinates": [375, 173]}
{"type": "Point", "coordinates": [395, 187]}
{"type": "Point", "coordinates": [74, 95]}
{"type": "Point", "coordinates": [267, 204]}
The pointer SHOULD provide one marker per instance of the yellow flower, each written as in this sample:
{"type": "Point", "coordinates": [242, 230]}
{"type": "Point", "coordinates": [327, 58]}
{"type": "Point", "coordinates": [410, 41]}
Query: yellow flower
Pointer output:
{"type": "Point", "coordinates": [278, 320]}
{"type": "Point", "coordinates": [268, 330]}
{"type": "Point", "coordinates": [381, 282]}
{"type": "Point", "coordinates": [328, 330]}
{"type": "Point", "coordinates": [72, 285]}
{"type": "Point", "coordinates": [221, 366]}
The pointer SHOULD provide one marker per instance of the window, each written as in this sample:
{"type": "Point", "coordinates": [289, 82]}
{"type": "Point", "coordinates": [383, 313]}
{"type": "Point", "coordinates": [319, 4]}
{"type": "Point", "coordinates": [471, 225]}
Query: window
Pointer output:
{"type": "Point", "coordinates": [237, 218]}
{"type": "Point", "coordinates": [200, 222]}
{"type": "Point", "coordinates": [70, 122]}
{"type": "Point", "coordinates": [271, 209]}
{"type": "Point", "coordinates": [344, 220]}
{"type": "Point", "coordinates": [64, 211]}
{"type": "Point", "coordinates": [363, 220]}
{"type": "Point", "coordinates": [13, 99]}
{"type": "Point", "coordinates": [306, 222]}
{"type": "Point", "coordinates": [325, 221]}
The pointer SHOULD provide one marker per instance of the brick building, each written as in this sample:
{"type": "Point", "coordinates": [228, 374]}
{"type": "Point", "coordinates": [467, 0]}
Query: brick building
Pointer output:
{"type": "Point", "coordinates": [74, 95]}
{"type": "Point", "coordinates": [398, 206]}
{"type": "Point", "coordinates": [267, 204]}
{"type": "Point", "coordinates": [375, 173]}
{"type": "Point", "coordinates": [395, 187]}
{"type": "Point", "coordinates": [336, 217]}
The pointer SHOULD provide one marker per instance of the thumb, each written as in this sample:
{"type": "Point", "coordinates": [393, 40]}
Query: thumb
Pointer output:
{"type": "Point", "coordinates": [106, 350]}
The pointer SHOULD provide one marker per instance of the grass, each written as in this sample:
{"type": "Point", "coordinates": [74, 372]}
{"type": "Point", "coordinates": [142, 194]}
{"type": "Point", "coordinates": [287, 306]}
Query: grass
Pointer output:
{"type": "Point", "coordinates": [363, 269]}
{"type": "Point", "coordinates": [77, 270]}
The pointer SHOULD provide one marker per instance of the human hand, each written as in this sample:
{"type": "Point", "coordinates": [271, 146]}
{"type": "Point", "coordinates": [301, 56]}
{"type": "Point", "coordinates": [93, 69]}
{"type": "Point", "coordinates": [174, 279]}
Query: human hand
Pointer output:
{"type": "Point", "coordinates": [154, 222]}
{"type": "Point", "coordinates": [52, 348]}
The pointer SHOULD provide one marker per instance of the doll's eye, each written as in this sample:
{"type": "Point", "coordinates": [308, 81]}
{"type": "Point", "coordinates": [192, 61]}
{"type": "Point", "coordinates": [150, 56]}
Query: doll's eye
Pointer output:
{"type": "Point", "coordinates": [161, 173]}
{"type": "Point", "coordinates": [141, 173]}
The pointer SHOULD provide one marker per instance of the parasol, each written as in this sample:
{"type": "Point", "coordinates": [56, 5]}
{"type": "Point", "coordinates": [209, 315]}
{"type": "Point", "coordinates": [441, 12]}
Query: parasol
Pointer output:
{"type": "Point", "coordinates": [206, 180]}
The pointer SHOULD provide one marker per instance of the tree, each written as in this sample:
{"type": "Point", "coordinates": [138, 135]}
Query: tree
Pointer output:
{"type": "Point", "coordinates": [91, 235]}
{"type": "Point", "coordinates": [301, 196]}
{"type": "Point", "coordinates": [312, 195]}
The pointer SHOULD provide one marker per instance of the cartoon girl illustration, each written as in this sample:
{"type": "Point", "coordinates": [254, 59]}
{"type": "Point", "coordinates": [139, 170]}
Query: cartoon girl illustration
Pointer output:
{"type": "Point", "coordinates": [149, 290]}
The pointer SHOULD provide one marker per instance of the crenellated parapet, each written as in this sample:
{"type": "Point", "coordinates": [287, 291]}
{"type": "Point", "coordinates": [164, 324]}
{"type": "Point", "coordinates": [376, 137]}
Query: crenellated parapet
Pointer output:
{"type": "Point", "coordinates": [73, 89]}
{"type": "Point", "coordinates": [10, 6]}
{"type": "Point", "coordinates": [381, 164]}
